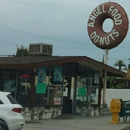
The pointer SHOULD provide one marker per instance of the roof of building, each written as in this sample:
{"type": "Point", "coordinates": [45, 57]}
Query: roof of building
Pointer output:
{"type": "Point", "coordinates": [35, 61]}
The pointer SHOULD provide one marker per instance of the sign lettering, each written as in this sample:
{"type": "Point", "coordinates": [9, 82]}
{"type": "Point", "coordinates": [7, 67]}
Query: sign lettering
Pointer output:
{"type": "Point", "coordinates": [104, 40]}
{"type": "Point", "coordinates": [101, 9]}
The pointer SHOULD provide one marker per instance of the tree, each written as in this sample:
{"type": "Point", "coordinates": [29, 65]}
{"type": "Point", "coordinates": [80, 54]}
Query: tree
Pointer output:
{"type": "Point", "coordinates": [22, 51]}
{"type": "Point", "coordinates": [128, 66]}
{"type": "Point", "coordinates": [120, 64]}
{"type": "Point", "coordinates": [113, 83]}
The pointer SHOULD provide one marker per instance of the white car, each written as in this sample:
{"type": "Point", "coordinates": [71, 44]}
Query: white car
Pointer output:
{"type": "Point", "coordinates": [11, 117]}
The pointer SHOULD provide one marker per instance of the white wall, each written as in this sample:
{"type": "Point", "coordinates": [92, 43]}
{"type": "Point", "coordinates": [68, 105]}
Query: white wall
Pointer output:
{"type": "Point", "coordinates": [123, 94]}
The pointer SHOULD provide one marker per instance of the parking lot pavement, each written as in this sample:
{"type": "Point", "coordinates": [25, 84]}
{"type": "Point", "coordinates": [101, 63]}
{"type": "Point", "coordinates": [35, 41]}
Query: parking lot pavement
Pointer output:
{"type": "Point", "coordinates": [77, 123]}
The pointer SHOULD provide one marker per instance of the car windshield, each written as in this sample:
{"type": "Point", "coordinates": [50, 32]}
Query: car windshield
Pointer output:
{"type": "Point", "coordinates": [11, 99]}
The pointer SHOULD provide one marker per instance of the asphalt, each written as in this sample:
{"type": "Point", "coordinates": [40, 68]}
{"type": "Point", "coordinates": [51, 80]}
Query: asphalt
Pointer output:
{"type": "Point", "coordinates": [77, 122]}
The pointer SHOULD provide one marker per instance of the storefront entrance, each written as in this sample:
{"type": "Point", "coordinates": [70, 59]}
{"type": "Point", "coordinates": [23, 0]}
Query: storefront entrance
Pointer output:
{"type": "Point", "coordinates": [67, 96]}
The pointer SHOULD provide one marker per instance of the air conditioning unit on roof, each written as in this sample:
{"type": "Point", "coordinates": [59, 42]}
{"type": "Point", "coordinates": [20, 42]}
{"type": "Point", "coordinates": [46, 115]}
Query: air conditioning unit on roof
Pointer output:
{"type": "Point", "coordinates": [40, 49]}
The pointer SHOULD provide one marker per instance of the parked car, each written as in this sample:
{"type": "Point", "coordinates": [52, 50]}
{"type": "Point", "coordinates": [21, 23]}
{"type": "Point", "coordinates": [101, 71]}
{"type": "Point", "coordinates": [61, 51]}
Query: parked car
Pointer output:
{"type": "Point", "coordinates": [11, 117]}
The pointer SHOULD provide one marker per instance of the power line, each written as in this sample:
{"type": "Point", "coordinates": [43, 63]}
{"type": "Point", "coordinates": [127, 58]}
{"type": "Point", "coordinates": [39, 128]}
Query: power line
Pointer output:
{"type": "Point", "coordinates": [47, 37]}
{"type": "Point", "coordinates": [52, 38]}
{"type": "Point", "coordinates": [6, 49]}
{"type": "Point", "coordinates": [32, 33]}
{"type": "Point", "coordinates": [8, 42]}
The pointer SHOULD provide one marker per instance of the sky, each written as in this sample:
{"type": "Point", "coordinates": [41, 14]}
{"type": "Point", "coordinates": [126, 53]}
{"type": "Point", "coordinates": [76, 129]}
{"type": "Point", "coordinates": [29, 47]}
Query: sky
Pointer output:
{"type": "Point", "coordinates": [62, 23]}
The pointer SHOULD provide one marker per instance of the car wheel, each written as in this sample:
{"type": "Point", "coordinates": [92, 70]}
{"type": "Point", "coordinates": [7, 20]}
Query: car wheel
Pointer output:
{"type": "Point", "coordinates": [3, 125]}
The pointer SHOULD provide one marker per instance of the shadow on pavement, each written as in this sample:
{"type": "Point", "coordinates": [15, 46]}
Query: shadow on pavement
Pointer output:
{"type": "Point", "coordinates": [126, 128]}
{"type": "Point", "coordinates": [63, 116]}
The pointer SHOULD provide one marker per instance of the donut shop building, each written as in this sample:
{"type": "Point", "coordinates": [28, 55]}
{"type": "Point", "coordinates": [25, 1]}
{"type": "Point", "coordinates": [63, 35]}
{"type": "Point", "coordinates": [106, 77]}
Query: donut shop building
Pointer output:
{"type": "Point", "coordinates": [47, 86]}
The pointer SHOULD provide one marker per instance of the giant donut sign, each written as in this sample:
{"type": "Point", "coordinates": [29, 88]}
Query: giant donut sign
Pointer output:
{"type": "Point", "coordinates": [113, 38]}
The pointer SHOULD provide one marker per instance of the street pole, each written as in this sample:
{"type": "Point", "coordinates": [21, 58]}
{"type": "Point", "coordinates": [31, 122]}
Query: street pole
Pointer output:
{"type": "Point", "coordinates": [106, 57]}
{"type": "Point", "coordinates": [105, 77]}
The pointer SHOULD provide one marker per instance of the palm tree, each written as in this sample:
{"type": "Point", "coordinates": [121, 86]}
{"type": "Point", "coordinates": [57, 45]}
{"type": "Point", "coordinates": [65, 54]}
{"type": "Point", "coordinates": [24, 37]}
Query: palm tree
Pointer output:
{"type": "Point", "coordinates": [120, 64]}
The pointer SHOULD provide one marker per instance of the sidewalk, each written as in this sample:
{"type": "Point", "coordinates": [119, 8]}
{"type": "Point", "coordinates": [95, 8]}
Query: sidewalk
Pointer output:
{"type": "Point", "coordinates": [78, 122]}
{"type": "Point", "coordinates": [97, 123]}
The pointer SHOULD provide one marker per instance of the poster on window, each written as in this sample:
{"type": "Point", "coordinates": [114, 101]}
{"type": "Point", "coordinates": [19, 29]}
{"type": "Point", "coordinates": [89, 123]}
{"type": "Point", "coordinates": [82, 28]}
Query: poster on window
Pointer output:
{"type": "Point", "coordinates": [41, 88]}
{"type": "Point", "coordinates": [9, 86]}
{"type": "Point", "coordinates": [57, 101]}
{"type": "Point", "coordinates": [42, 74]}
{"type": "Point", "coordinates": [57, 73]}
{"type": "Point", "coordinates": [82, 91]}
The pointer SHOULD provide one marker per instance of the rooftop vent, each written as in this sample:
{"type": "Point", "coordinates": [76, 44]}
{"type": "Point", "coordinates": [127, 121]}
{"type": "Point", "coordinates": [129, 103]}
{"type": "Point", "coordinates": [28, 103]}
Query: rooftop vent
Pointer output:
{"type": "Point", "coordinates": [40, 49]}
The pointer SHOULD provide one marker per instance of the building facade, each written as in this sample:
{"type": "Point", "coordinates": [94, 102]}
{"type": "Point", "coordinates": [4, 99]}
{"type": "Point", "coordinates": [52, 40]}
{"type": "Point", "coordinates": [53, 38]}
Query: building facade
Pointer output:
{"type": "Point", "coordinates": [47, 86]}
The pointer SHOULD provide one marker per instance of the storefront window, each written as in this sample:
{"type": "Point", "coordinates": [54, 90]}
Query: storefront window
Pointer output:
{"type": "Point", "coordinates": [87, 88]}
{"type": "Point", "coordinates": [23, 86]}
{"type": "Point", "coordinates": [48, 85]}
{"type": "Point", "coordinates": [18, 83]}
{"type": "Point", "coordinates": [81, 97]}
{"type": "Point", "coordinates": [94, 95]}
{"type": "Point", "coordinates": [92, 85]}
{"type": "Point", "coordinates": [41, 85]}
{"type": "Point", "coordinates": [8, 81]}
{"type": "Point", "coordinates": [55, 86]}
